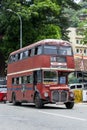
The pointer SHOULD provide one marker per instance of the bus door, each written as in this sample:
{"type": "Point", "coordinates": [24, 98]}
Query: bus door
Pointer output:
{"type": "Point", "coordinates": [31, 84]}
{"type": "Point", "coordinates": [34, 84]}
{"type": "Point", "coordinates": [37, 80]}
{"type": "Point", "coordinates": [27, 87]}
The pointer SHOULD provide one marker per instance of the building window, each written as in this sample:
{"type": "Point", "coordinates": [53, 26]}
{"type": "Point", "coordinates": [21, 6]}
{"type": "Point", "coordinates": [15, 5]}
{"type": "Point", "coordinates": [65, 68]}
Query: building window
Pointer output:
{"type": "Point", "coordinates": [77, 50]}
{"type": "Point", "coordinates": [78, 41]}
{"type": "Point", "coordinates": [84, 51]}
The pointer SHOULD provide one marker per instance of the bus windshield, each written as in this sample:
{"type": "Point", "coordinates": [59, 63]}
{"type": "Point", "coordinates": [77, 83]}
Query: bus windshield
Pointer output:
{"type": "Point", "coordinates": [65, 50]}
{"type": "Point", "coordinates": [50, 77]}
{"type": "Point", "coordinates": [50, 49]}
{"type": "Point", "coordinates": [61, 50]}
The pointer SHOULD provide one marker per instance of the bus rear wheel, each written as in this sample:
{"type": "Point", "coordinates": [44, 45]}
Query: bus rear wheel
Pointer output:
{"type": "Point", "coordinates": [14, 100]}
{"type": "Point", "coordinates": [38, 101]}
{"type": "Point", "coordinates": [69, 105]}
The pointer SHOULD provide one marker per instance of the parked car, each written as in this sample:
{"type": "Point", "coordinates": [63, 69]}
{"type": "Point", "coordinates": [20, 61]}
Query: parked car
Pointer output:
{"type": "Point", "coordinates": [3, 90]}
{"type": "Point", "coordinates": [80, 91]}
{"type": "Point", "coordinates": [78, 86]}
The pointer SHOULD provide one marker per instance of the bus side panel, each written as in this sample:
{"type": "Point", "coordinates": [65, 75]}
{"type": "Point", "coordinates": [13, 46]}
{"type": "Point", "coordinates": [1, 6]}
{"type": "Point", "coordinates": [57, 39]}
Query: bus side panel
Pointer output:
{"type": "Point", "coordinates": [70, 62]}
{"type": "Point", "coordinates": [30, 63]}
{"type": "Point", "coordinates": [29, 93]}
{"type": "Point", "coordinates": [9, 87]}
{"type": "Point", "coordinates": [13, 89]}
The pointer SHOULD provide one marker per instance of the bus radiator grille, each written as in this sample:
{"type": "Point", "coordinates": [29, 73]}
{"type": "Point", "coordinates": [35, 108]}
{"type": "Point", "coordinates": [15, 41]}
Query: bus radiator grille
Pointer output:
{"type": "Point", "coordinates": [59, 96]}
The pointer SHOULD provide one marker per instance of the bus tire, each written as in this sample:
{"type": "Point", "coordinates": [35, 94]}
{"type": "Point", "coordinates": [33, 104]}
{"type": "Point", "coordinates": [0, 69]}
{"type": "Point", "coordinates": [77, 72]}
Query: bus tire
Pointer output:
{"type": "Point", "coordinates": [69, 105]}
{"type": "Point", "coordinates": [4, 102]}
{"type": "Point", "coordinates": [14, 100]}
{"type": "Point", "coordinates": [38, 101]}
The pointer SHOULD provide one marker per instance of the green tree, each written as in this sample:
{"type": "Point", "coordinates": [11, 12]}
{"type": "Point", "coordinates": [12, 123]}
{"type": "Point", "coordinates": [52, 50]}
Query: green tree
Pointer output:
{"type": "Point", "coordinates": [82, 25]}
{"type": "Point", "coordinates": [38, 22]}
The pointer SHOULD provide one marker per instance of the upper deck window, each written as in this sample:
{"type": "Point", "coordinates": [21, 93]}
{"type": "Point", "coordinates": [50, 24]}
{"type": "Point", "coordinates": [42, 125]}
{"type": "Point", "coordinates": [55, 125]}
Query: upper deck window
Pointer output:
{"type": "Point", "coordinates": [17, 57]}
{"type": "Point", "coordinates": [32, 52]}
{"type": "Point", "coordinates": [25, 54]}
{"type": "Point", "coordinates": [38, 50]}
{"type": "Point", "coordinates": [29, 53]}
{"type": "Point", "coordinates": [65, 50]}
{"type": "Point", "coordinates": [48, 49]}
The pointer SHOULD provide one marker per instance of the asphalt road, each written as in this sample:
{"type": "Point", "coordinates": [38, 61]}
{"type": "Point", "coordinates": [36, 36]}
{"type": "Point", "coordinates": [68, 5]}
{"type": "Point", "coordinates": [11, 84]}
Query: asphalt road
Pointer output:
{"type": "Point", "coordinates": [51, 117]}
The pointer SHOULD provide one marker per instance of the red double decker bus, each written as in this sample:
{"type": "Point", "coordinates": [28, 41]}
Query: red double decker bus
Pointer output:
{"type": "Point", "coordinates": [39, 73]}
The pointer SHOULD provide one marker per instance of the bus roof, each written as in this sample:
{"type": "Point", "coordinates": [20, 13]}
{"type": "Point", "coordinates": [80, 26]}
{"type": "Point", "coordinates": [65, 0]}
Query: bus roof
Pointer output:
{"type": "Point", "coordinates": [43, 42]}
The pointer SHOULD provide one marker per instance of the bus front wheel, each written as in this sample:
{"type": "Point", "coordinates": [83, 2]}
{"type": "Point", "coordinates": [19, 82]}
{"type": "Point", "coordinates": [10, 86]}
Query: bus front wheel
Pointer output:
{"type": "Point", "coordinates": [38, 101]}
{"type": "Point", "coordinates": [69, 105]}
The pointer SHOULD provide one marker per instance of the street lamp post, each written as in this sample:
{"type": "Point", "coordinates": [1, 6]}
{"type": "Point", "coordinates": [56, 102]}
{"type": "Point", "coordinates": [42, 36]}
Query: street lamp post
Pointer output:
{"type": "Point", "coordinates": [10, 10]}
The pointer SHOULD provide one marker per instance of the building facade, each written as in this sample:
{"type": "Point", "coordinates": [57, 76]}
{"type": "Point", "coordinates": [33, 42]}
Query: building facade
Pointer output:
{"type": "Point", "coordinates": [80, 54]}
{"type": "Point", "coordinates": [80, 50]}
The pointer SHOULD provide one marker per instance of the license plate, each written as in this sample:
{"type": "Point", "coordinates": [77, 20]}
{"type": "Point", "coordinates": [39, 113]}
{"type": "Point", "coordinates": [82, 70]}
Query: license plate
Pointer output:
{"type": "Point", "coordinates": [59, 103]}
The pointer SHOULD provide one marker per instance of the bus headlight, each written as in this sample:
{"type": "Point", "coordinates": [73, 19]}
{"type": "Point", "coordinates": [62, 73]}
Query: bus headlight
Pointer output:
{"type": "Point", "coordinates": [46, 94]}
{"type": "Point", "coordinates": [71, 94]}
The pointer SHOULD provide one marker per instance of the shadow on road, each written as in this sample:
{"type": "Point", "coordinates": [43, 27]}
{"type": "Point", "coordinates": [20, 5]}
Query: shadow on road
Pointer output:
{"type": "Point", "coordinates": [48, 106]}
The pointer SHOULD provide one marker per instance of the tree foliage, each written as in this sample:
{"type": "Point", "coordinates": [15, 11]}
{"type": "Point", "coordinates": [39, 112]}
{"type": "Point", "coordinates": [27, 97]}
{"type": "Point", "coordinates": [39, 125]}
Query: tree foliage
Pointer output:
{"type": "Point", "coordinates": [41, 19]}
{"type": "Point", "coordinates": [82, 25]}
{"type": "Point", "coordinates": [36, 19]}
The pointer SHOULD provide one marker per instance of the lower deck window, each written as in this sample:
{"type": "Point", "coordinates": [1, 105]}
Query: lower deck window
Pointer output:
{"type": "Point", "coordinates": [50, 76]}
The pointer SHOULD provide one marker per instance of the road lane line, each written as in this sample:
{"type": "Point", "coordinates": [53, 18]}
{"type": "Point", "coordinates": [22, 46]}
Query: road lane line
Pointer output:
{"type": "Point", "coordinates": [64, 116]}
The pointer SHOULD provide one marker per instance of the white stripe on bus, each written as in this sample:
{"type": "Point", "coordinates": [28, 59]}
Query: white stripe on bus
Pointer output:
{"type": "Point", "coordinates": [30, 70]}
